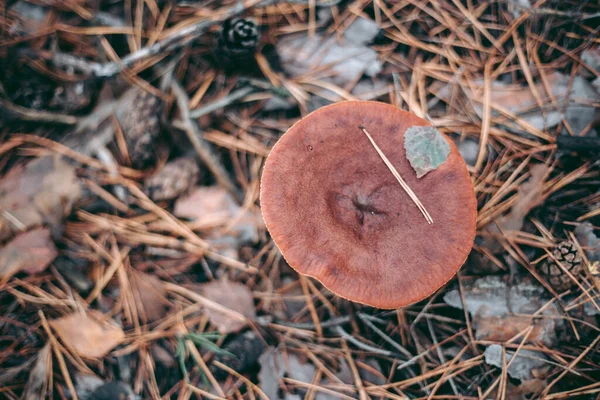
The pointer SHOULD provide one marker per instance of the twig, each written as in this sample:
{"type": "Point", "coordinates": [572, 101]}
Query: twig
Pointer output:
{"type": "Point", "coordinates": [394, 172]}
{"type": "Point", "coordinates": [222, 102]}
{"type": "Point", "coordinates": [247, 381]}
{"type": "Point", "coordinates": [549, 11]}
{"type": "Point", "coordinates": [91, 131]}
{"type": "Point", "coordinates": [10, 111]}
{"type": "Point", "coordinates": [340, 331]}
{"type": "Point", "coordinates": [64, 60]}
{"type": "Point", "coordinates": [202, 147]}
{"type": "Point", "coordinates": [367, 320]}
{"type": "Point", "coordinates": [397, 90]}
{"type": "Point", "coordinates": [440, 354]}
{"type": "Point", "coordinates": [177, 40]}
{"type": "Point", "coordinates": [59, 357]}
{"type": "Point", "coordinates": [311, 325]}
{"type": "Point", "coordinates": [106, 157]}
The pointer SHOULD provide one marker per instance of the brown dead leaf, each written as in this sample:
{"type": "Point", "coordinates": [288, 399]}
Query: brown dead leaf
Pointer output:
{"type": "Point", "coordinates": [39, 193]}
{"type": "Point", "coordinates": [525, 389]}
{"type": "Point", "coordinates": [87, 335]}
{"type": "Point", "coordinates": [37, 383]}
{"type": "Point", "coordinates": [520, 100]}
{"type": "Point", "coordinates": [506, 326]}
{"type": "Point", "coordinates": [591, 246]}
{"type": "Point", "coordinates": [589, 241]}
{"type": "Point", "coordinates": [213, 207]}
{"type": "Point", "coordinates": [150, 296]}
{"type": "Point", "coordinates": [529, 197]}
{"type": "Point", "coordinates": [276, 364]}
{"type": "Point", "coordinates": [29, 252]}
{"type": "Point", "coordinates": [501, 311]}
{"type": "Point", "coordinates": [232, 295]}
{"type": "Point", "coordinates": [527, 364]}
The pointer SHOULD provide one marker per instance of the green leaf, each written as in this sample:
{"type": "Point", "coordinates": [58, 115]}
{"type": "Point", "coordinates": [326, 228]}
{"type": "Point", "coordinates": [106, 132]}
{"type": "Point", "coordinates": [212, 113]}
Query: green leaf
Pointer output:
{"type": "Point", "coordinates": [207, 335]}
{"type": "Point", "coordinates": [180, 355]}
{"type": "Point", "coordinates": [203, 342]}
{"type": "Point", "coordinates": [426, 148]}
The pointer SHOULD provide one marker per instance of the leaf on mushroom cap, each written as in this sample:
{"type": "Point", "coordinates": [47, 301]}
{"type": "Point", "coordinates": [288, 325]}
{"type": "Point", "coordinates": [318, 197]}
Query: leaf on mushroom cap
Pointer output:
{"type": "Point", "coordinates": [426, 148]}
{"type": "Point", "coordinates": [337, 213]}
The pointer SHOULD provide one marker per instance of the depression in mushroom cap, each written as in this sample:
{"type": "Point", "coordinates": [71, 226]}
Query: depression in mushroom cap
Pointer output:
{"type": "Point", "coordinates": [338, 214]}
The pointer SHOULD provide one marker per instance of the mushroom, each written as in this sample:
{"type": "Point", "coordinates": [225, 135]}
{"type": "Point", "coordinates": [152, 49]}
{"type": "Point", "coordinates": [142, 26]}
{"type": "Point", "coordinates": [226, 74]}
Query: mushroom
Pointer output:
{"type": "Point", "coordinates": [338, 214]}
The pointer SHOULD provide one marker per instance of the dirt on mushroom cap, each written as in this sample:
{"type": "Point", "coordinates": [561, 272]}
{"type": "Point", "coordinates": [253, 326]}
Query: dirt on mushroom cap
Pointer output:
{"type": "Point", "coordinates": [337, 213]}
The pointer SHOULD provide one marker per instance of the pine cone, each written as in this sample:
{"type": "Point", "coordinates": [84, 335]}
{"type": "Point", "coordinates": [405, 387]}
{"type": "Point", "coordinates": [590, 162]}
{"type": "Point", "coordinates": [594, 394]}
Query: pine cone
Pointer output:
{"type": "Point", "coordinates": [567, 254]}
{"type": "Point", "coordinates": [237, 42]}
{"type": "Point", "coordinates": [176, 178]}
{"type": "Point", "coordinates": [140, 123]}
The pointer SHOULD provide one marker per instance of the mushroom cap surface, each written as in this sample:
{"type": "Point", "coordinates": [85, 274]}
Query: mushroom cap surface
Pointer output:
{"type": "Point", "coordinates": [337, 213]}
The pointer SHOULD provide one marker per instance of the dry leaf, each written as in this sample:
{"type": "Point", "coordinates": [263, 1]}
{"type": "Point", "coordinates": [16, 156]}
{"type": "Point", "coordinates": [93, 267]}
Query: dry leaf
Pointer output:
{"type": "Point", "coordinates": [345, 61]}
{"type": "Point", "coordinates": [37, 383]}
{"type": "Point", "coordinates": [29, 19]}
{"type": "Point", "coordinates": [86, 384]}
{"type": "Point", "coordinates": [520, 101]}
{"type": "Point", "coordinates": [274, 365]}
{"type": "Point", "coordinates": [530, 195]}
{"type": "Point", "coordinates": [591, 246]}
{"type": "Point", "coordinates": [39, 193]}
{"type": "Point", "coordinates": [589, 241]}
{"type": "Point", "coordinates": [232, 295]}
{"type": "Point", "coordinates": [369, 371]}
{"type": "Point", "coordinates": [86, 335]}
{"type": "Point", "coordinates": [526, 366]}
{"type": "Point", "coordinates": [162, 356]}
{"type": "Point", "coordinates": [500, 312]}
{"type": "Point", "coordinates": [525, 389]}
{"type": "Point", "coordinates": [591, 57]}
{"type": "Point", "coordinates": [150, 296]}
{"type": "Point", "coordinates": [29, 252]}
{"type": "Point", "coordinates": [426, 148]}
{"type": "Point", "coordinates": [332, 60]}
{"type": "Point", "coordinates": [213, 206]}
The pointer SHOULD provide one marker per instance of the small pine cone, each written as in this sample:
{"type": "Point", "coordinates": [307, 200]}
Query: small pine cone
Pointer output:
{"type": "Point", "coordinates": [246, 350]}
{"type": "Point", "coordinates": [176, 178]}
{"type": "Point", "coordinates": [569, 257]}
{"type": "Point", "coordinates": [140, 122]}
{"type": "Point", "coordinates": [237, 42]}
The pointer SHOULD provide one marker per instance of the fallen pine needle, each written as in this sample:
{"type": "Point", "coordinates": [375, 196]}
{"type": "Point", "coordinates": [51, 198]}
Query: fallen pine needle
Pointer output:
{"type": "Point", "coordinates": [396, 174]}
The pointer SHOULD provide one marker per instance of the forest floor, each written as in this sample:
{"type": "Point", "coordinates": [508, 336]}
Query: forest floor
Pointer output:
{"type": "Point", "coordinates": [134, 259]}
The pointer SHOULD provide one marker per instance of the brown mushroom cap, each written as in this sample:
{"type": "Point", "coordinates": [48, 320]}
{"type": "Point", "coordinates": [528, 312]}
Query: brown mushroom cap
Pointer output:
{"type": "Point", "coordinates": [337, 213]}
